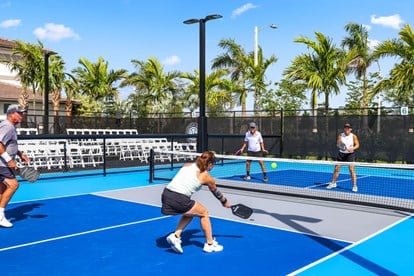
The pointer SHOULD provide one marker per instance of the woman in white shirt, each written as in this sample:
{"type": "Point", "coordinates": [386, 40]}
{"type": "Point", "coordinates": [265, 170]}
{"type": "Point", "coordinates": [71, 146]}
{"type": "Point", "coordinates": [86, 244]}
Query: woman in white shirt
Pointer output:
{"type": "Point", "coordinates": [347, 142]}
{"type": "Point", "coordinates": [176, 199]}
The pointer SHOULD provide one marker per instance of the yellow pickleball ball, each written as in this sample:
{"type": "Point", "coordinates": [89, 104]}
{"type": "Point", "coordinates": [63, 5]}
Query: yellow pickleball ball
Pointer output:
{"type": "Point", "coordinates": [274, 165]}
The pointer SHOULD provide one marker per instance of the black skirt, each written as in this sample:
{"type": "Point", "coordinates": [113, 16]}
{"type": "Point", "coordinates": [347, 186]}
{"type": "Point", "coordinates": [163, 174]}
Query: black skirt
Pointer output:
{"type": "Point", "coordinates": [174, 203]}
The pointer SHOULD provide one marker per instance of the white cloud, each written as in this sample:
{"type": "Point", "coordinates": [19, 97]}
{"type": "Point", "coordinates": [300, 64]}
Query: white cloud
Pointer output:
{"type": "Point", "coordinates": [242, 9]}
{"type": "Point", "coordinates": [55, 32]}
{"type": "Point", "coordinates": [372, 43]}
{"type": "Point", "coordinates": [10, 23]}
{"type": "Point", "coordinates": [172, 60]}
{"type": "Point", "coordinates": [393, 21]}
{"type": "Point", "coordinates": [368, 27]}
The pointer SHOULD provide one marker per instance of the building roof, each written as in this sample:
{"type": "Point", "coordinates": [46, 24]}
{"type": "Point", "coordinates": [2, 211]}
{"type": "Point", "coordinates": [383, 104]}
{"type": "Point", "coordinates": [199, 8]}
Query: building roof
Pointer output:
{"type": "Point", "coordinates": [8, 44]}
{"type": "Point", "coordinates": [13, 92]}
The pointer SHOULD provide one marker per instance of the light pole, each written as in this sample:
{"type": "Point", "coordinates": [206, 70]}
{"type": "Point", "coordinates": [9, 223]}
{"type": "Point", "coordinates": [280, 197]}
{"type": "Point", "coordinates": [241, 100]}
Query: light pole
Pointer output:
{"type": "Point", "coordinates": [47, 54]}
{"type": "Point", "coordinates": [202, 138]}
{"type": "Point", "coordinates": [256, 41]}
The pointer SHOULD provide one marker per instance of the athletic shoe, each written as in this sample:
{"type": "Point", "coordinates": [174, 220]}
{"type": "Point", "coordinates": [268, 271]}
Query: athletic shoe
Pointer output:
{"type": "Point", "coordinates": [247, 177]}
{"type": "Point", "coordinates": [215, 247]}
{"type": "Point", "coordinates": [4, 222]}
{"type": "Point", "coordinates": [265, 179]}
{"type": "Point", "coordinates": [331, 186]}
{"type": "Point", "coordinates": [175, 243]}
{"type": "Point", "coordinates": [355, 189]}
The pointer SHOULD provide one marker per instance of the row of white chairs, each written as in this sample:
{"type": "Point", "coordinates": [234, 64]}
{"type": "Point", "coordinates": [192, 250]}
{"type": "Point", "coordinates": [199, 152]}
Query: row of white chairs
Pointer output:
{"type": "Point", "coordinates": [27, 131]}
{"type": "Point", "coordinates": [98, 131]}
{"type": "Point", "coordinates": [89, 152]}
{"type": "Point", "coordinates": [130, 149]}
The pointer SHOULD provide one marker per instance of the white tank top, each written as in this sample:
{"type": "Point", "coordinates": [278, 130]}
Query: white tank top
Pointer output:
{"type": "Point", "coordinates": [348, 141]}
{"type": "Point", "coordinates": [185, 181]}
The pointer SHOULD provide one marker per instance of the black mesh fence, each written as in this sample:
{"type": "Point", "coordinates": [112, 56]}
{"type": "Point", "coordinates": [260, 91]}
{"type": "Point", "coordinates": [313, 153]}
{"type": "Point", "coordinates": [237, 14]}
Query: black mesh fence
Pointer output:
{"type": "Point", "coordinates": [385, 138]}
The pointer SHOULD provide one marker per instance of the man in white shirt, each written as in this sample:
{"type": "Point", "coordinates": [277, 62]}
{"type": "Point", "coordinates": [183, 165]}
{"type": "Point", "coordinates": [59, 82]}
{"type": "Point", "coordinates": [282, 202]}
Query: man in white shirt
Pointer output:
{"type": "Point", "coordinates": [255, 147]}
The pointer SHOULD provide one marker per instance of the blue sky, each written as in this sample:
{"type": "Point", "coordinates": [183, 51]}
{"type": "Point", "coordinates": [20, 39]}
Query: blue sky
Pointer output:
{"type": "Point", "coordinates": [121, 30]}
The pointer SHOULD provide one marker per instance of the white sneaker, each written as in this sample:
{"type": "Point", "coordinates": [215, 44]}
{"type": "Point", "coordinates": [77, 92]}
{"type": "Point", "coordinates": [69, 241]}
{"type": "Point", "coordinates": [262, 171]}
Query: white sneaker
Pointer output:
{"type": "Point", "coordinates": [331, 186]}
{"type": "Point", "coordinates": [175, 243]}
{"type": "Point", "coordinates": [215, 247]}
{"type": "Point", "coordinates": [355, 189]}
{"type": "Point", "coordinates": [4, 222]}
{"type": "Point", "coordinates": [247, 177]}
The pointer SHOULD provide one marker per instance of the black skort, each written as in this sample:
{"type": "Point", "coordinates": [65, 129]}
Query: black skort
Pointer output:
{"type": "Point", "coordinates": [174, 203]}
{"type": "Point", "coordinates": [255, 153]}
{"type": "Point", "coordinates": [346, 157]}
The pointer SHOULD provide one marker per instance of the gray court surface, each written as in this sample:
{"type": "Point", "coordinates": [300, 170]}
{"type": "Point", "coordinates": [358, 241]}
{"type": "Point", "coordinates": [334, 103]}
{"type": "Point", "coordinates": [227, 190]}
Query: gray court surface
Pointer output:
{"type": "Point", "coordinates": [340, 221]}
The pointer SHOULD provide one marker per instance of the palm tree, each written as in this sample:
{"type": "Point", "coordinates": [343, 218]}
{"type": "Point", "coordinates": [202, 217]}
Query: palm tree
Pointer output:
{"type": "Point", "coordinates": [323, 70]}
{"type": "Point", "coordinates": [401, 77]}
{"type": "Point", "coordinates": [71, 89]}
{"type": "Point", "coordinates": [56, 75]}
{"type": "Point", "coordinates": [156, 88]}
{"type": "Point", "coordinates": [358, 42]}
{"type": "Point", "coordinates": [257, 76]}
{"type": "Point", "coordinates": [217, 96]}
{"type": "Point", "coordinates": [28, 63]}
{"type": "Point", "coordinates": [238, 63]}
{"type": "Point", "coordinates": [97, 83]}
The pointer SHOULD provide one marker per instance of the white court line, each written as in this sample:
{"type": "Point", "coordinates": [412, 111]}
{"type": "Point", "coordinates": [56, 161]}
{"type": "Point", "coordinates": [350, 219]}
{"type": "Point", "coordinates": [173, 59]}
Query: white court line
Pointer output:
{"type": "Point", "coordinates": [81, 233]}
{"type": "Point", "coordinates": [344, 180]}
{"type": "Point", "coordinates": [347, 248]}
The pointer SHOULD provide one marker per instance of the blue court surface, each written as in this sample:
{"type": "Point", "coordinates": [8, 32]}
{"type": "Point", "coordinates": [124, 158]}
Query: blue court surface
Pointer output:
{"type": "Point", "coordinates": [68, 227]}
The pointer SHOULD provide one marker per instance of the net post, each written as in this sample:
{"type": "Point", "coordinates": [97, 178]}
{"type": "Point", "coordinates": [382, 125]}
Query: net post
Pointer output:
{"type": "Point", "coordinates": [151, 166]}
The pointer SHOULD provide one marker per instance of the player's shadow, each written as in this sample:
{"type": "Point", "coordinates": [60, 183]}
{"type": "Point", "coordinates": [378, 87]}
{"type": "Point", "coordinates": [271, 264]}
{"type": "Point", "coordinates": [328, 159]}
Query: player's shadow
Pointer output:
{"type": "Point", "coordinates": [294, 222]}
{"type": "Point", "coordinates": [188, 238]}
{"type": "Point", "coordinates": [23, 212]}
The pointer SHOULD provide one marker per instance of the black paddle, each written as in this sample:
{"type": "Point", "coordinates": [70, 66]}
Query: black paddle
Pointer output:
{"type": "Point", "coordinates": [241, 211]}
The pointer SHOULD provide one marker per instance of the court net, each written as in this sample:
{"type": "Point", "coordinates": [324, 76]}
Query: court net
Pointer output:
{"type": "Point", "coordinates": [381, 185]}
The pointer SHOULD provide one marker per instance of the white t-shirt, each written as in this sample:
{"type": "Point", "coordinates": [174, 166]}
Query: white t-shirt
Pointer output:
{"type": "Point", "coordinates": [253, 141]}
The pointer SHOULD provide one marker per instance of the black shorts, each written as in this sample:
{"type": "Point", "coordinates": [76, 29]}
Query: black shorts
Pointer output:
{"type": "Point", "coordinates": [346, 157]}
{"type": "Point", "coordinates": [174, 203]}
{"type": "Point", "coordinates": [255, 153]}
{"type": "Point", "coordinates": [6, 172]}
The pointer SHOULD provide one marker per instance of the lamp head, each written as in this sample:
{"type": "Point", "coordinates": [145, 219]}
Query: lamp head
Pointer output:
{"type": "Point", "coordinates": [212, 16]}
{"type": "Point", "coordinates": [191, 21]}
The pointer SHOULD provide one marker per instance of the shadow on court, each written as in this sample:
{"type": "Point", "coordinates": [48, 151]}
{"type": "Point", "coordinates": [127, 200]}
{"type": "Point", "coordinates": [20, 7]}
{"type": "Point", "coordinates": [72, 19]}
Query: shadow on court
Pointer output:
{"type": "Point", "coordinates": [294, 222]}
{"type": "Point", "coordinates": [23, 212]}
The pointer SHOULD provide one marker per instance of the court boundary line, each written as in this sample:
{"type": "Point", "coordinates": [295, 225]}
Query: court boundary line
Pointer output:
{"type": "Point", "coordinates": [330, 256]}
{"type": "Point", "coordinates": [82, 233]}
